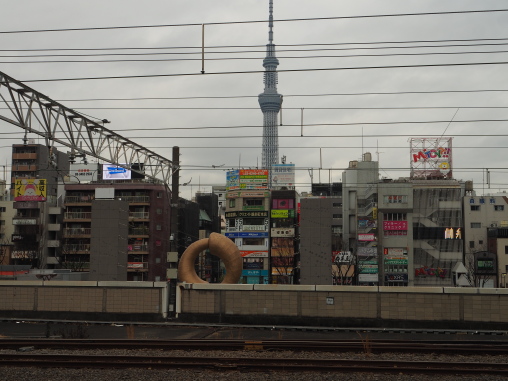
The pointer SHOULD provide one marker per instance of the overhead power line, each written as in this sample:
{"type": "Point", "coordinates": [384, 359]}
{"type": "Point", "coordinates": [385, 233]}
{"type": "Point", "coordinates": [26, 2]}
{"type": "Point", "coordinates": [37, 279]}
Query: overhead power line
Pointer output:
{"type": "Point", "coordinates": [287, 96]}
{"type": "Point", "coordinates": [262, 71]}
{"type": "Point", "coordinates": [251, 58]}
{"type": "Point", "coordinates": [262, 46]}
{"type": "Point", "coordinates": [256, 21]}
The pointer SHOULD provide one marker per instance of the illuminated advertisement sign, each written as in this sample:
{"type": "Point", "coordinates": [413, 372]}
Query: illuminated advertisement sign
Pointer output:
{"type": "Point", "coordinates": [114, 172]}
{"type": "Point", "coordinates": [281, 213]}
{"type": "Point", "coordinates": [394, 225]}
{"type": "Point", "coordinates": [30, 190]}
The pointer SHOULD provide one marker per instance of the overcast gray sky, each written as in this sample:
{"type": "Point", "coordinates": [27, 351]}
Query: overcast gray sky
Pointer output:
{"type": "Point", "coordinates": [352, 44]}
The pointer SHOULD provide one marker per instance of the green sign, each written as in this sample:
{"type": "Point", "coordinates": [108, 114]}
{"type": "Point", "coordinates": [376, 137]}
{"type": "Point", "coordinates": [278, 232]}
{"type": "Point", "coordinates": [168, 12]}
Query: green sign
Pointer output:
{"type": "Point", "coordinates": [395, 261]}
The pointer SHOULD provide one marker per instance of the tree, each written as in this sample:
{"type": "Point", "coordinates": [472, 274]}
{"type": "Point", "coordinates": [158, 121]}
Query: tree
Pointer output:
{"type": "Point", "coordinates": [283, 259]}
{"type": "Point", "coordinates": [481, 266]}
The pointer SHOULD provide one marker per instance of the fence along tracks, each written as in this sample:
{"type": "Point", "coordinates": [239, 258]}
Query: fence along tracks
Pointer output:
{"type": "Point", "coordinates": [73, 359]}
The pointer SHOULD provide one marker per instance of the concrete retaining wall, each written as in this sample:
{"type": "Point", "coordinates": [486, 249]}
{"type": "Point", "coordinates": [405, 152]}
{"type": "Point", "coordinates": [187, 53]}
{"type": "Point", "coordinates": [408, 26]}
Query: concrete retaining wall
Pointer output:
{"type": "Point", "coordinates": [144, 301]}
{"type": "Point", "coordinates": [403, 307]}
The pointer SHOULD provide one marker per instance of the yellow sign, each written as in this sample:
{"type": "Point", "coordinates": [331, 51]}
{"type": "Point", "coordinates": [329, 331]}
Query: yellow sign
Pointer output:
{"type": "Point", "coordinates": [30, 190]}
{"type": "Point", "coordinates": [280, 213]}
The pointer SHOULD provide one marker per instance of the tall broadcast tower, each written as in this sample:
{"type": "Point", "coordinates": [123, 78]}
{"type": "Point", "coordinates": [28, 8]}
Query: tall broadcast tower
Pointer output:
{"type": "Point", "coordinates": [270, 102]}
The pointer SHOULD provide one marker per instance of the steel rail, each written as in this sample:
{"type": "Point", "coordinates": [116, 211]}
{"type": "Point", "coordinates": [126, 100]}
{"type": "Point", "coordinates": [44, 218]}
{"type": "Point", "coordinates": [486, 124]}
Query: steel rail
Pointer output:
{"type": "Point", "coordinates": [470, 347]}
{"type": "Point", "coordinates": [250, 364]}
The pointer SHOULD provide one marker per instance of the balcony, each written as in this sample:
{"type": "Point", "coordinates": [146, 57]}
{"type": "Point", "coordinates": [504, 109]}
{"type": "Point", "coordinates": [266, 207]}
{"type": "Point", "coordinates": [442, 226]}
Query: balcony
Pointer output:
{"type": "Point", "coordinates": [138, 215]}
{"type": "Point", "coordinates": [77, 232]}
{"type": "Point", "coordinates": [135, 199]}
{"type": "Point", "coordinates": [54, 227]}
{"type": "Point", "coordinates": [79, 200]}
{"type": "Point", "coordinates": [23, 168]}
{"type": "Point", "coordinates": [20, 220]}
{"type": "Point", "coordinates": [76, 249]}
{"type": "Point", "coordinates": [77, 216]}
{"type": "Point", "coordinates": [139, 232]}
{"type": "Point", "coordinates": [142, 249]}
{"type": "Point", "coordinates": [137, 266]}
{"type": "Point", "coordinates": [24, 156]}
{"type": "Point", "coordinates": [53, 243]}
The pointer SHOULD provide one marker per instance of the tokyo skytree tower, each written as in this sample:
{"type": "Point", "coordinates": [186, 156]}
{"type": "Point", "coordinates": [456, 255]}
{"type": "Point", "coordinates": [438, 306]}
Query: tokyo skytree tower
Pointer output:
{"type": "Point", "coordinates": [270, 102]}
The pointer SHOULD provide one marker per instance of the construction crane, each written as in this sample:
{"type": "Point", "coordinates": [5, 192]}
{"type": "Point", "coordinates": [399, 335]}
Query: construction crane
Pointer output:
{"type": "Point", "coordinates": [56, 123]}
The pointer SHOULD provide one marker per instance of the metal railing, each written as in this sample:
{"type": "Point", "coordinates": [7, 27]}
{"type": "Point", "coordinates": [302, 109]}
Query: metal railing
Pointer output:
{"type": "Point", "coordinates": [78, 215]}
{"type": "Point", "coordinates": [77, 231]}
{"type": "Point", "coordinates": [141, 215]}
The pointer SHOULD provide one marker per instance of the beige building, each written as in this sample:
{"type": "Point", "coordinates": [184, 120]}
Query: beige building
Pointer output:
{"type": "Point", "coordinates": [486, 229]}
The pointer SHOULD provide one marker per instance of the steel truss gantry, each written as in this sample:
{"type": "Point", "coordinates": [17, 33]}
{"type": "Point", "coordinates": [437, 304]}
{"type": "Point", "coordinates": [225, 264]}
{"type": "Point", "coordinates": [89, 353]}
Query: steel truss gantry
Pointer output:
{"type": "Point", "coordinates": [27, 108]}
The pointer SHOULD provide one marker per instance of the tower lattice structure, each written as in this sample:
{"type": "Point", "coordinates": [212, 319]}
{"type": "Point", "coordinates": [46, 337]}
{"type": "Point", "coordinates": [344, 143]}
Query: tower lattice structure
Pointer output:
{"type": "Point", "coordinates": [270, 102]}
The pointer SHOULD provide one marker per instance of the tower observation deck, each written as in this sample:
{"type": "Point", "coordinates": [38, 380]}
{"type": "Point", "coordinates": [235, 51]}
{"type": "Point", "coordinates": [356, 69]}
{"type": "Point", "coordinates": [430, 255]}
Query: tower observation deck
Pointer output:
{"type": "Point", "coordinates": [270, 102]}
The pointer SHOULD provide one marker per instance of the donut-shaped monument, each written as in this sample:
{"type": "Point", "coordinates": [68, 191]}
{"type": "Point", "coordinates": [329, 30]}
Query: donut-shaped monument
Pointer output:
{"type": "Point", "coordinates": [221, 247]}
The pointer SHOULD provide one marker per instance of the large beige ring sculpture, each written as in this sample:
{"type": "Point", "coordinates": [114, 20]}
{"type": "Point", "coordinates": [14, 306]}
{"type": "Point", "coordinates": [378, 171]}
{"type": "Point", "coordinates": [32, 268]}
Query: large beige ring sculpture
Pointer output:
{"type": "Point", "coordinates": [221, 247]}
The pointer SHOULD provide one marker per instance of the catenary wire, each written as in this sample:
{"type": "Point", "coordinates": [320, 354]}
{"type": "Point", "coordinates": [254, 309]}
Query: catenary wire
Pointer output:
{"type": "Point", "coordinates": [256, 21]}
{"type": "Point", "coordinates": [463, 64]}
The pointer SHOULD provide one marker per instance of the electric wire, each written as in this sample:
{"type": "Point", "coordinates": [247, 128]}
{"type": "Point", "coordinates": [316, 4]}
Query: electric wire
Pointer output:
{"type": "Point", "coordinates": [256, 21]}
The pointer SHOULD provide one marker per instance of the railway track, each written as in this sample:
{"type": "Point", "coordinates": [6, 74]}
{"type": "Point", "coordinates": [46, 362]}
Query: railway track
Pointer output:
{"type": "Point", "coordinates": [362, 346]}
{"type": "Point", "coordinates": [252, 364]}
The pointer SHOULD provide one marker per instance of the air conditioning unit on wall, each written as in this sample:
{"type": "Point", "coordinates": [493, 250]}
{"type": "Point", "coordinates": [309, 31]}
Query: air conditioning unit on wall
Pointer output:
{"type": "Point", "coordinates": [493, 225]}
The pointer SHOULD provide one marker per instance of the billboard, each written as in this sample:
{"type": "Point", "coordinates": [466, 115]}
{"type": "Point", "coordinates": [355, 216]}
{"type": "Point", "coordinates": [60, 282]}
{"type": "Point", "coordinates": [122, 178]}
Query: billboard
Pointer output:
{"type": "Point", "coordinates": [83, 172]}
{"type": "Point", "coordinates": [232, 180]}
{"type": "Point", "coordinates": [283, 176]}
{"type": "Point", "coordinates": [431, 158]}
{"type": "Point", "coordinates": [30, 190]}
{"type": "Point", "coordinates": [253, 178]}
{"type": "Point", "coordinates": [114, 172]}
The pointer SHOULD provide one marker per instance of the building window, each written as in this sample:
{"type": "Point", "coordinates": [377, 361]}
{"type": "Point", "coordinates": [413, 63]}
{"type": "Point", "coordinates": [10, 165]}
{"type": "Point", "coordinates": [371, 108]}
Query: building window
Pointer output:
{"type": "Point", "coordinates": [232, 203]}
{"type": "Point", "coordinates": [159, 194]}
{"type": "Point", "coordinates": [476, 225]}
{"type": "Point", "coordinates": [475, 208]}
{"type": "Point", "coordinates": [337, 215]}
{"type": "Point", "coordinates": [499, 207]}
{"type": "Point", "coordinates": [395, 216]}
{"type": "Point", "coordinates": [159, 211]}
{"type": "Point", "coordinates": [253, 241]}
{"type": "Point", "coordinates": [471, 244]}
{"type": "Point", "coordinates": [158, 227]}
{"type": "Point", "coordinates": [2, 209]}
{"type": "Point", "coordinates": [506, 249]}
{"type": "Point", "coordinates": [253, 201]}
{"type": "Point", "coordinates": [480, 242]}
{"type": "Point", "coordinates": [337, 205]}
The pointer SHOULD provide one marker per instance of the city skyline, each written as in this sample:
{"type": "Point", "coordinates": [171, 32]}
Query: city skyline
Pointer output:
{"type": "Point", "coordinates": [321, 56]}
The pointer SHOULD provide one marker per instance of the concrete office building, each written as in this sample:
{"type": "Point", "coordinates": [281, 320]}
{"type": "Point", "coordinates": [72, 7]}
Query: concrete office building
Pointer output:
{"type": "Point", "coordinates": [284, 242]}
{"type": "Point", "coordinates": [36, 172]}
{"type": "Point", "coordinates": [247, 224]}
{"type": "Point", "coordinates": [127, 222]}
{"type": "Point", "coordinates": [486, 227]}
